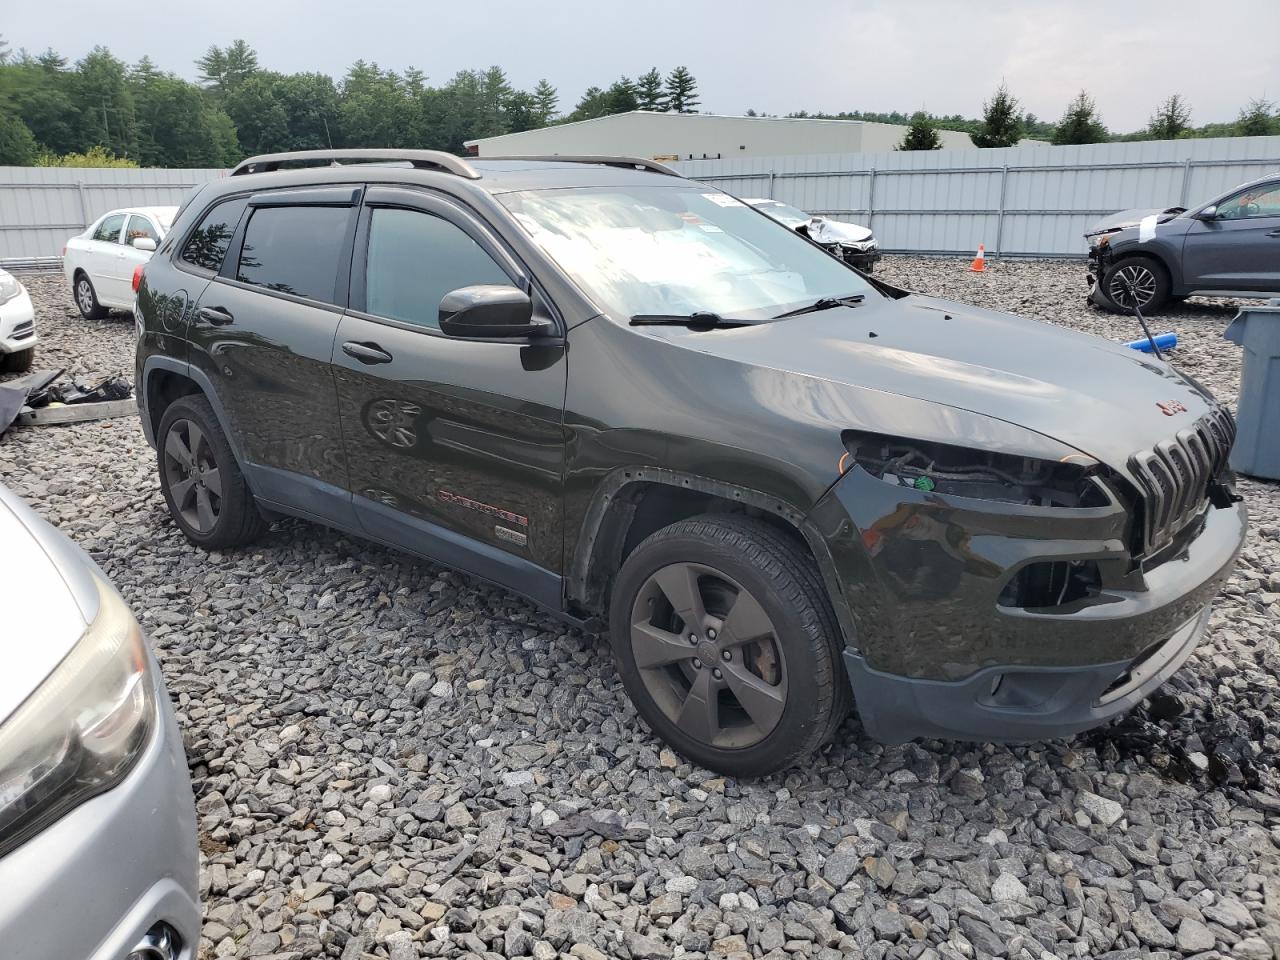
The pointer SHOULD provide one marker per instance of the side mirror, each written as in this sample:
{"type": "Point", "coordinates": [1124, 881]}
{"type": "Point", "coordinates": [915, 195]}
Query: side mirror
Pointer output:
{"type": "Point", "coordinates": [1208, 213]}
{"type": "Point", "coordinates": [485, 311]}
{"type": "Point", "coordinates": [146, 244]}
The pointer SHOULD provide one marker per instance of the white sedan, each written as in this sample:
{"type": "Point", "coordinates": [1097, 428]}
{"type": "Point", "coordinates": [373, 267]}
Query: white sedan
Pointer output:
{"type": "Point", "coordinates": [99, 263]}
{"type": "Point", "coordinates": [17, 326]}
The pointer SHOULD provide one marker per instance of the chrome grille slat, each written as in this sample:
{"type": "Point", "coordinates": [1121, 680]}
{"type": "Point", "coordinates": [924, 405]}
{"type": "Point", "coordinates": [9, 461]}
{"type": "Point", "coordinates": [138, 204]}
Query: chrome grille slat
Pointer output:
{"type": "Point", "coordinates": [1176, 474]}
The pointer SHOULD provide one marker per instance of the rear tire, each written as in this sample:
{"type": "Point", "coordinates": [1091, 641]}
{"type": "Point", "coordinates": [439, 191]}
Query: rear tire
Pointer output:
{"type": "Point", "coordinates": [203, 487]}
{"type": "Point", "coordinates": [748, 680]}
{"type": "Point", "coordinates": [87, 298]}
{"type": "Point", "coordinates": [17, 362]}
{"type": "Point", "coordinates": [1150, 282]}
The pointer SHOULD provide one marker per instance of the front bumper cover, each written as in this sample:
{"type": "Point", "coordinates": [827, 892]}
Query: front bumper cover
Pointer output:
{"type": "Point", "coordinates": [17, 323]}
{"type": "Point", "coordinates": [920, 581]}
{"type": "Point", "coordinates": [1013, 704]}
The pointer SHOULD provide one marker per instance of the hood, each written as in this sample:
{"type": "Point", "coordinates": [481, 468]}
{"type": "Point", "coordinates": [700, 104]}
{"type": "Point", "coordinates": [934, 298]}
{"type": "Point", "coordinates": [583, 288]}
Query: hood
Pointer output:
{"type": "Point", "coordinates": [1131, 218]}
{"type": "Point", "coordinates": [1092, 394]}
{"type": "Point", "coordinates": [822, 230]}
{"type": "Point", "coordinates": [42, 599]}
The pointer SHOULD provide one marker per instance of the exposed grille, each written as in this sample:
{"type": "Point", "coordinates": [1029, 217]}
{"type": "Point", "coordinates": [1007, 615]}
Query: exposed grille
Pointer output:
{"type": "Point", "coordinates": [1175, 476]}
{"type": "Point", "coordinates": [24, 330]}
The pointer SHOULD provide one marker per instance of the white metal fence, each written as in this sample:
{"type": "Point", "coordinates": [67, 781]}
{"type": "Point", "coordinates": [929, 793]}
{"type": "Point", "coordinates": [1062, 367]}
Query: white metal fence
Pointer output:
{"type": "Point", "coordinates": [1019, 201]}
{"type": "Point", "coordinates": [40, 207]}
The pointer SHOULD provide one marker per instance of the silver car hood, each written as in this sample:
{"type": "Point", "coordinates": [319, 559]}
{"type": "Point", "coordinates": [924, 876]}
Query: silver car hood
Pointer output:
{"type": "Point", "coordinates": [1131, 218]}
{"type": "Point", "coordinates": [822, 230]}
{"type": "Point", "coordinates": [48, 597]}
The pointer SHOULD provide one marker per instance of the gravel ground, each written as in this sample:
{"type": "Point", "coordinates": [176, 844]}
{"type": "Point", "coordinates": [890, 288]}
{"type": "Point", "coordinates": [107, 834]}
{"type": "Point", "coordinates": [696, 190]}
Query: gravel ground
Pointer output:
{"type": "Point", "coordinates": [394, 760]}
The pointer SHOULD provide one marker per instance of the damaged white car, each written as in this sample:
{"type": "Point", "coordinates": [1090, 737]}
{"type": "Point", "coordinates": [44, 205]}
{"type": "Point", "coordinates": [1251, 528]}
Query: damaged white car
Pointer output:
{"type": "Point", "coordinates": [849, 242]}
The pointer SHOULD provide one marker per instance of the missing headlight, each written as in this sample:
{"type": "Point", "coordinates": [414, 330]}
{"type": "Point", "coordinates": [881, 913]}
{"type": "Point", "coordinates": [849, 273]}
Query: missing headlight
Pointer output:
{"type": "Point", "coordinates": [977, 474]}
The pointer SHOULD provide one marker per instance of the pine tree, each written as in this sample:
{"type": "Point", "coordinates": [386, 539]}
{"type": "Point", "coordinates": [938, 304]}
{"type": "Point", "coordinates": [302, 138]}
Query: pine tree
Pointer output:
{"type": "Point", "coordinates": [1171, 119]}
{"type": "Point", "coordinates": [1080, 123]}
{"type": "Point", "coordinates": [622, 96]}
{"type": "Point", "coordinates": [242, 63]}
{"type": "Point", "coordinates": [682, 91]}
{"type": "Point", "coordinates": [921, 134]}
{"type": "Point", "coordinates": [1001, 122]}
{"type": "Point", "coordinates": [649, 91]}
{"type": "Point", "coordinates": [1259, 119]}
{"type": "Point", "coordinates": [545, 101]}
{"type": "Point", "coordinates": [212, 67]}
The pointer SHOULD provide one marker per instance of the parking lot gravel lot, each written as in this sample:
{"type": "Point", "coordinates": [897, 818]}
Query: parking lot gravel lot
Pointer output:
{"type": "Point", "coordinates": [394, 760]}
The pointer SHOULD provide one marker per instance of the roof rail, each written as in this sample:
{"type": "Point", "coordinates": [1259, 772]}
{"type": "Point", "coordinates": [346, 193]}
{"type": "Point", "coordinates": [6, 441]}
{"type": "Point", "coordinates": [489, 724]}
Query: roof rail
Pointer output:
{"type": "Point", "coordinates": [653, 166]}
{"type": "Point", "coordinates": [420, 159]}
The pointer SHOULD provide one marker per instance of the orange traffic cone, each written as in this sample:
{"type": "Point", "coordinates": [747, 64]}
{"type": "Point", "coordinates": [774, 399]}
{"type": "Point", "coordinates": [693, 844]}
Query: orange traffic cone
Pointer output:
{"type": "Point", "coordinates": [980, 261]}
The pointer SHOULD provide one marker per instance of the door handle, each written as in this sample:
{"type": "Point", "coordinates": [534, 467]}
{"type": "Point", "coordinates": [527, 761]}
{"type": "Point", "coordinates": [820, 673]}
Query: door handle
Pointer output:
{"type": "Point", "coordinates": [1274, 233]}
{"type": "Point", "coordinates": [216, 315]}
{"type": "Point", "coordinates": [366, 352]}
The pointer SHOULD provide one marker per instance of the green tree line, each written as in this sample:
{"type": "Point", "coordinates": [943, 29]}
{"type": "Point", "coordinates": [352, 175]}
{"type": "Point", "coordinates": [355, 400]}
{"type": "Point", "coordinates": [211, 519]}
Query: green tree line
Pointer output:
{"type": "Point", "coordinates": [101, 110]}
{"type": "Point", "coordinates": [1004, 123]}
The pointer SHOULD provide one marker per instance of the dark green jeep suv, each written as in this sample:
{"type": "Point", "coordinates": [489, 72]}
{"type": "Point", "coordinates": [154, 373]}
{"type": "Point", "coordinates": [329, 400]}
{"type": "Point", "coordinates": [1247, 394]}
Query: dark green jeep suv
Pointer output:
{"type": "Point", "coordinates": [782, 486]}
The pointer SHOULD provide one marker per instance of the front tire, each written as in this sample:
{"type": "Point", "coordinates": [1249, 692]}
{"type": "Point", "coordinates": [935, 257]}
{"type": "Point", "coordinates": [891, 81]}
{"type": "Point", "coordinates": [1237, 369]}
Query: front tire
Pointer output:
{"type": "Point", "coordinates": [203, 487]}
{"type": "Point", "coordinates": [1139, 279]}
{"type": "Point", "coordinates": [17, 362]}
{"type": "Point", "coordinates": [727, 644]}
{"type": "Point", "coordinates": [87, 298]}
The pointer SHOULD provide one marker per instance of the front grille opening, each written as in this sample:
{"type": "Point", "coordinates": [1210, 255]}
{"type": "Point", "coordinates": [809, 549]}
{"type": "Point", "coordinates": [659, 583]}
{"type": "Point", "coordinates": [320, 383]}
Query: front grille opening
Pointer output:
{"type": "Point", "coordinates": [1051, 585]}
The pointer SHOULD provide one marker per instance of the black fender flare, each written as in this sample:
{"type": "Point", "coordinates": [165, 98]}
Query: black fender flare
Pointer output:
{"type": "Point", "coordinates": [197, 376]}
{"type": "Point", "coordinates": [609, 514]}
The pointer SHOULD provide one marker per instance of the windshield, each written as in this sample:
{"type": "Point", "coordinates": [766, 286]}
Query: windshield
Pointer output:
{"type": "Point", "coordinates": [678, 250]}
{"type": "Point", "coordinates": [781, 212]}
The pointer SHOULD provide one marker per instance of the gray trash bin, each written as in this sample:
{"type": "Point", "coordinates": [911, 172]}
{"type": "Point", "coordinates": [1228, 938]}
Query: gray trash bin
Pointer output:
{"type": "Point", "coordinates": [1257, 448]}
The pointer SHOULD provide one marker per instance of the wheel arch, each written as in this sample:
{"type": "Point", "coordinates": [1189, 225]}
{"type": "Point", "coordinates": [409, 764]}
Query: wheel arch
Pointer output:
{"type": "Point", "coordinates": [632, 502]}
{"type": "Point", "coordinates": [164, 380]}
{"type": "Point", "coordinates": [1162, 258]}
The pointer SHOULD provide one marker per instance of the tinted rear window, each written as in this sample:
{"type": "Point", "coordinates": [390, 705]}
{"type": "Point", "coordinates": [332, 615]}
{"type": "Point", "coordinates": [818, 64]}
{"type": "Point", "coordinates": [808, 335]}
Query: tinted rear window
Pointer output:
{"type": "Point", "coordinates": [208, 244]}
{"type": "Point", "coordinates": [294, 250]}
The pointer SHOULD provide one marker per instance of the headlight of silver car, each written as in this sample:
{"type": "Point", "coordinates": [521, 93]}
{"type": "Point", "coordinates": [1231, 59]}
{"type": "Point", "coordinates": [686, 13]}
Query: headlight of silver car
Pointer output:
{"type": "Point", "coordinates": [9, 287]}
{"type": "Point", "coordinates": [82, 729]}
{"type": "Point", "coordinates": [1070, 481]}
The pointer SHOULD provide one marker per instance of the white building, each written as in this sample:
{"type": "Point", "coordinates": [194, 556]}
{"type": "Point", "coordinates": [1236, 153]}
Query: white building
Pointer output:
{"type": "Point", "coordinates": [701, 136]}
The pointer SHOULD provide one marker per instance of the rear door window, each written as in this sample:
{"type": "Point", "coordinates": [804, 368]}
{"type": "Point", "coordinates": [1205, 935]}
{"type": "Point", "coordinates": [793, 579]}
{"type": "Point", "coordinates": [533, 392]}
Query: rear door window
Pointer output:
{"type": "Point", "coordinates": [109, 229]}
{"type": "Point", "coordinates": [208, 243]}
{"type": "Point", "coordinates": [294, 250]}
{"type": "Point", "coordinates": [415, 259]}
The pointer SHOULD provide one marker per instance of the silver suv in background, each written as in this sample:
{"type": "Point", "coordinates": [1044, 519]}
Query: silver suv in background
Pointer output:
{"type": "Point", "coordinates": [97, 823]}
{"type": "Point", "coordinates": [1229, 246]}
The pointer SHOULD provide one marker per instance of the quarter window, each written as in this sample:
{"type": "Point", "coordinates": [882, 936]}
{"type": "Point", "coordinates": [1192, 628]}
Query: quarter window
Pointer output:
{"type": "Point", "coordinates": [109, 229]}
{"type": "Point", "coordinates": [208, 243]}
{"type": "Point", "coordinates": [415, 259]}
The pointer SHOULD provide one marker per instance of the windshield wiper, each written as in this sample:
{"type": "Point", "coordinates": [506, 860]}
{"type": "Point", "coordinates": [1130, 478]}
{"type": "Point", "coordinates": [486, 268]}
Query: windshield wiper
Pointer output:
{"type": "Point", "coordinates": [698, 320]}
{"type": "Point", "coordinates": [826, 303]}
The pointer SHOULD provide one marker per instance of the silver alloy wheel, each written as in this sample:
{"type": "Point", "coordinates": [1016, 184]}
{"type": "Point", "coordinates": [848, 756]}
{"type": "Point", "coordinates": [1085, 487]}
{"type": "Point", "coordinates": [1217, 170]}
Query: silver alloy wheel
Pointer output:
{"type": "Point", "coordinates": [84, 295]}
{"type": "Point", "coordinates": [709, 655]}
{"type": "Point", "coordinates": [1143, 282]}
{"type": "Point", "coordinates": [195, 484]}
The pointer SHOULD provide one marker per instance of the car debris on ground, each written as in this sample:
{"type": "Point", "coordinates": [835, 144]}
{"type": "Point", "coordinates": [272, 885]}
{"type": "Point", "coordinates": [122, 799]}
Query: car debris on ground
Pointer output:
{"type": "Point", "coordinates": [39, 399]}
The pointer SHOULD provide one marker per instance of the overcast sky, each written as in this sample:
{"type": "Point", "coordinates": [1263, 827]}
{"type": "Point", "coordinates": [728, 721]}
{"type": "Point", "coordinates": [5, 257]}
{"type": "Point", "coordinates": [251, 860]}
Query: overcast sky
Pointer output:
{"type": "Point", "coordinates": [771, 55]}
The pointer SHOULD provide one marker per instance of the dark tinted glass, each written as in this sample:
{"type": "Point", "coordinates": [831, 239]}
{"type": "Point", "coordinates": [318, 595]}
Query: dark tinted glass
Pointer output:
{"type": "Point", "coordinates": [208, 245]}
{"type": "Point", "coordinates": [294, 249]}
{"type": "Point", "coordinates": [109, 229]}
{"type": "Point", "coordinates": [415, 259]}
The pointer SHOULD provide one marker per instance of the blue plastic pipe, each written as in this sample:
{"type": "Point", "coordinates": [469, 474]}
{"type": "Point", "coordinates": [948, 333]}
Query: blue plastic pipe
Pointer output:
{"type": "Point", "coordinates": [1165, 341]}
